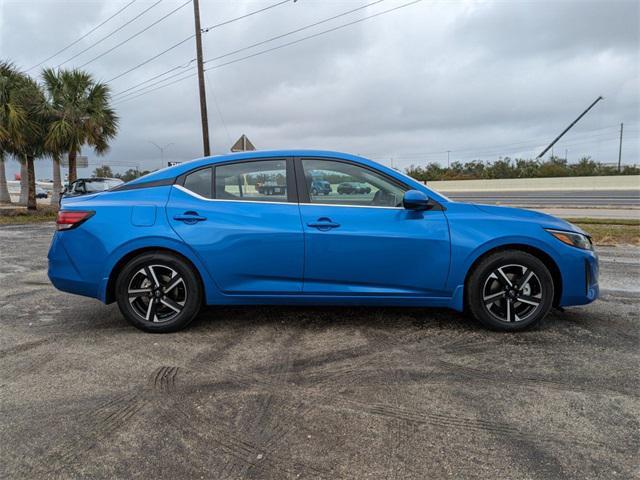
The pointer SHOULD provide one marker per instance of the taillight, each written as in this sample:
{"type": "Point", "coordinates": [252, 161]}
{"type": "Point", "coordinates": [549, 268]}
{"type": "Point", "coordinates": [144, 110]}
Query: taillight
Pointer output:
{"type": "Point", "coordinates": [72, 218]}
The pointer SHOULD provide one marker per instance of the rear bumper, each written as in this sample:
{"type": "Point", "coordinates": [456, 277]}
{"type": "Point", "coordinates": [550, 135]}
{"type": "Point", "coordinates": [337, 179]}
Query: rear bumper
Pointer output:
{"type": "Point", "coordinates": [64, 274]}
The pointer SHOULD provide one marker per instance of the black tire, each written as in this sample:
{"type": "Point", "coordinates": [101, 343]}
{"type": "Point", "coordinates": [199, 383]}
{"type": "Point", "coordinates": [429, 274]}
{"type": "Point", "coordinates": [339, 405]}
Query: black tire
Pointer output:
{"type": "Point", "coordinates": [177, 299]}
{"type": "Point", "coordinates": [507, 284]}
{"type": "Point", "coordinates": [314, 192]}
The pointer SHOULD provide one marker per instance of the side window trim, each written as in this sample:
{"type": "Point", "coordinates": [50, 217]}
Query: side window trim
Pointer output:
{"type": "Point", "coordinates": [303, 191]}
{"type": "Point", "coordinates": [292, 191]}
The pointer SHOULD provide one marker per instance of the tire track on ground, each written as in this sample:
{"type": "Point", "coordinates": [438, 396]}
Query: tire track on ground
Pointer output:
{"type": "Point", "coordinates": [265, 413]}
{"type": "Point", "coordinates": [467, 424]}
{"type": "Point", "coordinates": [97, 425]}
{"type": "Point", "coordinates": [24, 347]}
{"type": "Point", "coordinates": [470, 373]}
{"type": "Point", "coordinates": [164, 379]}
{"type": "Point", "coordinates": [243, 452]}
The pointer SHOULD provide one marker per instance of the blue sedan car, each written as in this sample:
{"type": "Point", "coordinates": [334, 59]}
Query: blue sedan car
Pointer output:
{"type": "Point", "coordinates": [201, 233]}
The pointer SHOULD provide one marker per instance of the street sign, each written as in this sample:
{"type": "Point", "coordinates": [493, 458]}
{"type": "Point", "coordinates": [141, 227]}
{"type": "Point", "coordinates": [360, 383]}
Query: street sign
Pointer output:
{"type": "Point", "coordinates": [243, 144]}
{"type": "Point", "coordinates": [171, 164]}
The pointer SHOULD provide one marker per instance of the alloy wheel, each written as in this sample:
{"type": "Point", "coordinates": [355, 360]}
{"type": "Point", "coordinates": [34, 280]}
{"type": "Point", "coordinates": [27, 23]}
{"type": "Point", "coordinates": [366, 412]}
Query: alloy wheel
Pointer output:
{"type": "Point", "coordinates": [512, 293]}
{"type": "Point", "coordinates": [157, 293]}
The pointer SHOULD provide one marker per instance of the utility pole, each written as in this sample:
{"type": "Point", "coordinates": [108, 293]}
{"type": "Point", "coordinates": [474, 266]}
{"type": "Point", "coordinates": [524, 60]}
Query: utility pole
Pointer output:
{"type": "Point", "coordinates": [203, 95]}
{"type": "Point", "coordinates": [620, 149]}
{"type": "Point", "coordinates": [569, 127]}
{"type": "Point", "coordinates": [448, 152]}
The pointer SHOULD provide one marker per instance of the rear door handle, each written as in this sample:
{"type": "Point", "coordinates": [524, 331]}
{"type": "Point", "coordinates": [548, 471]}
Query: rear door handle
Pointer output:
{"type": "Point", "coordinates": [189, 218]}
{"type": "Point", "coordinates": [323, 224]}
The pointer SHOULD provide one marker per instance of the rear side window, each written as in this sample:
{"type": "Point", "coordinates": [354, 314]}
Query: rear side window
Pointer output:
{"type": "Point", "coordinates": [199, 182]}
{"type": "Point", "coordinates": [257, 181]}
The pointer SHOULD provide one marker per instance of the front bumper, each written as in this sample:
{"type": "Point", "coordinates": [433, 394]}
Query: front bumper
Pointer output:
{"type": "Point", "coordinates": [580, 271]}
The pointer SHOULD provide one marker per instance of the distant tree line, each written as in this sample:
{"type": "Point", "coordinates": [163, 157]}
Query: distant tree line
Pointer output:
{"type": "Point", "coordinates": [517, 168]}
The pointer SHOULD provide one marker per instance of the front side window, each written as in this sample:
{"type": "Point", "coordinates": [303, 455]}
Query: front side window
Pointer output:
{"type": "Point", "coordinates": [199, 182]}
{"type": "Point", "coordinates": [341, 183]}
{"type": "Point", "coordinates": [260, 180]}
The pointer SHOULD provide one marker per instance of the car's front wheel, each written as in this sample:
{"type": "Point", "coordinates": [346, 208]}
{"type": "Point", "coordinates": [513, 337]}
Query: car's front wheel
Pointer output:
{"type": "Point", "coordinates": [510, 290]}
{"type": "Point", "coordinates": [158, 292]}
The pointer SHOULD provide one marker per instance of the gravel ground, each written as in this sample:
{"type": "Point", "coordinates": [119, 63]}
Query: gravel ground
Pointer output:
{"type": "Point", "coordinates": [273, 392]}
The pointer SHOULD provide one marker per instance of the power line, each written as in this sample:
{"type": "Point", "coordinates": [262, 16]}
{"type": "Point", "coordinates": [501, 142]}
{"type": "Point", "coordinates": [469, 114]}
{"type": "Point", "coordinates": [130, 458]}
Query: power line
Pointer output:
{"type": "Point", "coordinates": [215, 102]}
{"type": "Point", "coordinates": [186, 65]}
{"type": "Point", "coordinates": [175, 45]}
{"type": "Point", "coordinates": [83, 36]}
{"type": "Point", "coordinates": [110, 34]}
{"type": "Point", "coordinates": [204, 30]}
{"type": "Point", "coordinates": [137, 94]}
{"type": "Point", "coordinates": [255, 44]}
{"type": "Point", "coordinates": [227, 22]}
{"type": "Point", "coordinates": [133, 95]}
{"type": "Point", "coordinates": [306, 27]}
{"type": "Point", "coordinates": [156, 83]}
{"type": "Point", "coordinates": [137, 34]}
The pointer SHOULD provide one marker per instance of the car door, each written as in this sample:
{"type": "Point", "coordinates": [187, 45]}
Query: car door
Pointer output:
{"type": "Point", "coordinates": [362, 241]}
{"type": "Point", "coordinates": [250, 242]}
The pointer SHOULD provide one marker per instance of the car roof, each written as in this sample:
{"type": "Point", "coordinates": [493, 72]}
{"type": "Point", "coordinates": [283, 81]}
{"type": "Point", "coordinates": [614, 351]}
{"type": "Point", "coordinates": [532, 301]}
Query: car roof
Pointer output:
{"type": "Point", "coordinates": [177, 170]}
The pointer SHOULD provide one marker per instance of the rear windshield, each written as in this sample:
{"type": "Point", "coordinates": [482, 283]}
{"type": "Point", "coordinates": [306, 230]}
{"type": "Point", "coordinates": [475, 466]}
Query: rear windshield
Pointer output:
{"type": "Point", "coordinates": [101, 185]}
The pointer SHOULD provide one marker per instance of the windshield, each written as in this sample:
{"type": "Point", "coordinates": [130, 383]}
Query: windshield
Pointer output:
{"type": "Point", "coordinates": [101, 185]}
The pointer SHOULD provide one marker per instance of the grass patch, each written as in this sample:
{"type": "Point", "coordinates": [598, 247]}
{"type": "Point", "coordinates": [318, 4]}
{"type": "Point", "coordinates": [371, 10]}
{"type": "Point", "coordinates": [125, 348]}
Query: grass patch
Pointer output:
{"type": "Point", "coordinates": [612, 234]}
{"type": "Point", "coordinates": [15, 216]}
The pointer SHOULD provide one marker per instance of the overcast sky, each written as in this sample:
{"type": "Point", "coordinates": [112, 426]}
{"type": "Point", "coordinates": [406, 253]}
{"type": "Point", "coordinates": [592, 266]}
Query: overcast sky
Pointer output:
{"type": "Point", "coordinates": [482, 79]}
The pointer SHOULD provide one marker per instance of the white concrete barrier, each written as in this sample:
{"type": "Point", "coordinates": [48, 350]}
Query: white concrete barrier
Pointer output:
{"type": "Point", "coordinates": [613, 182]}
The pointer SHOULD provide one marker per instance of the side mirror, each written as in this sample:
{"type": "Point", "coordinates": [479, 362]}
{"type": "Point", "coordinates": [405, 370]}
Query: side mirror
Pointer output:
{"type": "Point", "coordinates": [416, 200]}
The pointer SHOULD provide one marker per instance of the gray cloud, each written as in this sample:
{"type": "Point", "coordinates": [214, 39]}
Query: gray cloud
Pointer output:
{"type": "Point", "coordinates": [481, 79]}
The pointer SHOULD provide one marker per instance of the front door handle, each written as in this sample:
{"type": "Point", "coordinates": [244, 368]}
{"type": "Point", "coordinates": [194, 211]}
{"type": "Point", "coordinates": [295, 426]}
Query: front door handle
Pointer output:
{"type": "Point", "coordinates": [323, 224]}
{"type": "Point", "coordinates": [189, 218]}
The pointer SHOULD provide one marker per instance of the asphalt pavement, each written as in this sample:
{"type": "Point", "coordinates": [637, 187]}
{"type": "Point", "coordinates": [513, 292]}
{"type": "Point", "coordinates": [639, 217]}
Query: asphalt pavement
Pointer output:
{"type": "Point", "coordinates": [288, 393]}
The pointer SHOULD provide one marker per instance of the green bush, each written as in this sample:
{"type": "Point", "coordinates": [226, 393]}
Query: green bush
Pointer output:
{"type": "Point", "coordinates": [517, 168]}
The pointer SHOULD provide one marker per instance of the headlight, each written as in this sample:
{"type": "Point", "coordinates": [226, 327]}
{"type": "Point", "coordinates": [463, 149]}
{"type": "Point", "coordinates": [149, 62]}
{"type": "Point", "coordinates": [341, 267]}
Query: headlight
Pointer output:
{"type": "Point", "coordinates": [572, 238]}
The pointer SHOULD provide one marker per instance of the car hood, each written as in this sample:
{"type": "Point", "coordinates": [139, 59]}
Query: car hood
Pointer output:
{"type": "Point", "coordinates": [543, 219]}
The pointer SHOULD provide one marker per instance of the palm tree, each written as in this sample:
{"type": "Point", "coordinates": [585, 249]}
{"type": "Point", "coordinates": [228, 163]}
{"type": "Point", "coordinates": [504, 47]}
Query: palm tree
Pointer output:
{"type": "Point", "coordinates": [57, 182]}
{"type": "Point", "coordinates": [21, 125]}
{"type": "Point", "coordinates": [4, 191]}
{"type": "Point", "coordinates": [12, 118]}
{"type": "Point", "coordinates": [27, 142]}
{"type": "Point", "coordinates": [52, 94]}
{"type": "Point", "coordinates": [81, 114]}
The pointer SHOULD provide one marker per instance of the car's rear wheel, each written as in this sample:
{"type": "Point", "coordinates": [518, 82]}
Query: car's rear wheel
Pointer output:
{"type": "Point", "coordinates": [510, 290]}
{"type": "Point", "coordinates": [158, 292]}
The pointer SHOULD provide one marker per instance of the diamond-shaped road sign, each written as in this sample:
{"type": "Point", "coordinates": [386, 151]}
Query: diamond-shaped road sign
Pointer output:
{"type": "Point", "coordinates": [243, 144]}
